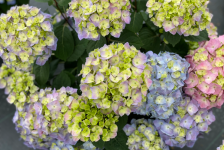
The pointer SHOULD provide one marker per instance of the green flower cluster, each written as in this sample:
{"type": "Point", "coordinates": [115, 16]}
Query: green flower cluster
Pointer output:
{"type": "Point", "coordinates": [18, 84]}
{"type": "Point", "coordinates": [95, 17]}
{"type": "Point", "coordinates": [26, 33]}
{"type": "Point", "coordinates": [116, 77]}
{"type": "Point", "coordinates": [142, 135]}
{"type": "Point", "coordinates": [86, 122]}
{"type": "Point", "coordinates": [186, 17]}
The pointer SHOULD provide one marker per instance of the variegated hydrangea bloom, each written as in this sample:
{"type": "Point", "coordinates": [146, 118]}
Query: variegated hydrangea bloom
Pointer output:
{"type": "Point", "coordinates": [18, 84]}
{"type": "Point", "coordinates": [183, 128]}
{"type": "Point", "coordinates": [221, 147]}
{"type": "Point", "coordinates": [206, 77]}
{"type": "Point", "coordinates": [9, 2]}
{"type": "Point", "coordinates": [26, 33]}
{"type": "Point", "coordinates": [43, 118]}
{"type": "Point", "coordinates": [142, 135]}
{"type": "Point", "coordinates": [87, 123]}
{"type": "Point", "coordinates": [180, 16]}
{"type": "Point", "coordinates": [168, 75]}
{"type": "Point", "coordinates": [99, 17]}
{"type": "Point", "coordinates": [116, 77]}
{"type": "Point", "coordinates": [59, 145]}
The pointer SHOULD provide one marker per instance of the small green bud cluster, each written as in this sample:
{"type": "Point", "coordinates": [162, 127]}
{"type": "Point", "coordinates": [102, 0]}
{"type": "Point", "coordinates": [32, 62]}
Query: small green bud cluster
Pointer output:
{"type": "Point", "coordinates": [86, 122]}
{"type": "Point", "coordinates": [142, 135]}
{"type": "Point", "coordinates": [18, 84]}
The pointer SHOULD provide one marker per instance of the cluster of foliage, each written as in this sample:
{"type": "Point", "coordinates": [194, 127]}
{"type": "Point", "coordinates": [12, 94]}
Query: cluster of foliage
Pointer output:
{"type": "Point", "coordinates": [91, 76]}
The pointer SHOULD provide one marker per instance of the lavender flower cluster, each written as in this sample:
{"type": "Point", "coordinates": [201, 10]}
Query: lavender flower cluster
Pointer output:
{"type": "Point", "coordinates": [169, 72]}
{"type": "Point", "coordinates": [184, 127]}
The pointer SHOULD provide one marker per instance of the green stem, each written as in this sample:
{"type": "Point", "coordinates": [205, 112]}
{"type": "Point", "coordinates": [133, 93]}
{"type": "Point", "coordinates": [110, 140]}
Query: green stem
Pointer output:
{"type": "Point", "coordinates": [73, 70]}
{"type": "Point", "coordinates": [56, 3]}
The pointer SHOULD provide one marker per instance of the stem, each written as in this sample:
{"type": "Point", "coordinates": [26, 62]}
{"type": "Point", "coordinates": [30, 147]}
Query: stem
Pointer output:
{"type": "Point", "coordinates": [108, 39]}
{"type": "Point", "coordinates": [56, 3]}
{"type": "Point", "coordinates": [73, 70]}
{"type": "Point", "coordinates": [135, 5]}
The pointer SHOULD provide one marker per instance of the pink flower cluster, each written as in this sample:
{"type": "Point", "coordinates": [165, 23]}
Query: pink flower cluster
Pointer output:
{"type": "Point", "coordinates": [206, 73]}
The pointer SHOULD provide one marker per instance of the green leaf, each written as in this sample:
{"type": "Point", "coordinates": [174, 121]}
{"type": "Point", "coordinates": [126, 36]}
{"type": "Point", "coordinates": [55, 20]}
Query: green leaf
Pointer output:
{"type": "Point", "coordinates": [79, 143]}
{"type": "Point", "coordinates": [118, 143]}
{"type": "Point", "coordinates": [122, 122]}
{"type": "Point", "coordinates": [63, 2]}
{"type": "Point", "coordinates": [130, 37]}
{"type": "Point", "coordinates": [41, 73]}
{"type": "Point", "coordinates": [72, 77]}
{"type": "Point", "coordinates": [172, 39]}
{"type": "Point", "coordinates": [53, 66]}
{"type": "Point", "coordinates": [150, 39]}
{"type": "Point", "coordinates": [50, 2]}
{"type": "Point", "coordinates": [203, 36]}
{"type": "Point", "coordinates": [65, 45]}
{"type": "Point", "coordinates": [151, 25]}
{"type": "Point", "coordinates": [181, 48]}
{"type": "Point", "coordinates": [141, 5]}
{"type": "Point", "coordinates": [61, 23]}
{"type": "Point", "coordinates": [99, 144]}
{"type": "Point", "coordinates": [47, 11]}
{"type": "Point", "coordinates": [61, 80]}
{"type": "Point", "coordinates": [96, 44]}
{"type": "Point", "coordinates": [136, 22]}
{"type": "Point", "coordinates": [80, 47]}
{"type": "Point", "coordinates": [144, 15]}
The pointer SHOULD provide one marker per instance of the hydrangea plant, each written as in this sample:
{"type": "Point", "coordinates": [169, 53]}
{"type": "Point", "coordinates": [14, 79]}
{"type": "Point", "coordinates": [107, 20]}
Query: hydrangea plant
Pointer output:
{"type": "Point", "coordinates": [184, 127]}
{"type": "Point", "coordinates": [116, 77]}
{"type": "Point", "coordinates": [184, 17]}
{"type": "Point", "coordinates": [26, 33]}
{"type": "Point", "coordinates": [205, 82]}
{"type": "Point", "coordinates": [169, 72]}
{"type": "Point", "coordinates": [142, 135]}
{"type": "Point", "coordinates": [99, 17]}
{"type": "Point", "coordinates": [130, 69]}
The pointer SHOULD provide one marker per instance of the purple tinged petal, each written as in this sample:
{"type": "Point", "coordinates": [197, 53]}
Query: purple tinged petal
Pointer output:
{"type": "Point", "coordinates": [186, 122]}
{"type": "Point", "coordinates": [167, 129]}
{"type": "Point", "coordinates": [192, 134]}
{"type": "Point", "coordinates": [54, 106]}
{"type": "Point", "coordinates": [192, 108]}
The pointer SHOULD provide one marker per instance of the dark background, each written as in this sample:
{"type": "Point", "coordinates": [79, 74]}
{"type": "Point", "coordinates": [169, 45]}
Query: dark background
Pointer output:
{"type": "Point", "coordinates": [10, 140]}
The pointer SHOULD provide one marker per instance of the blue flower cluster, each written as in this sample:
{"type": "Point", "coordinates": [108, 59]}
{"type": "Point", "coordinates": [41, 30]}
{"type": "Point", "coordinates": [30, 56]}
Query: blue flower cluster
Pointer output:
{"type": "Point", "coordinates": [169, 72]}
{"type": "Point", "coordinates": [142, 135]}
{"type": "Point", "coordinates": [184, 127]}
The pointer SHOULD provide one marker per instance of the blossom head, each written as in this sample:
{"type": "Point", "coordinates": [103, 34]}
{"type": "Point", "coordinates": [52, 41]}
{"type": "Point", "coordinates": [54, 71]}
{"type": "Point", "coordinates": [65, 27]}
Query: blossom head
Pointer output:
{"type": "Point", "coordinates": [87, 123]}
{"type": "Point", "coordinates": [169, 72]}
{"type": "Point", "coordinates": [116, 77]}
{"type": "Point", "coordinates": [205, 82]}
{"type": "Point", "coordinates": [143, 135]}
{"type": "Point", "coordinates": [99, 17]}
{"type": "Point", "coordinates": [184, 127]}
{"type": "Point", "coordinates": [184, 17]}
{"type": "Point", "coordinates": [27, 33]}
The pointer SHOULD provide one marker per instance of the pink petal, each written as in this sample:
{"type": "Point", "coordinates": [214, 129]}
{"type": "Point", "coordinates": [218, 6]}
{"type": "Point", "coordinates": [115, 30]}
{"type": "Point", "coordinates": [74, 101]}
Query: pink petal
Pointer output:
{"type": "Point", "coordinates": [204, 65]}
{"type": "Point", "coordinates": [209, 77]}
{"type": "Point", "coordinates": [212, 45]}
{"type": "Point", "coordinates": [192, 81]}
{"type": "Point", "coordinates": [204, 103]}
{"type": "Point", "coordinates": [204, 87]}
{"type": "Point", "coordinates": [168, 25]}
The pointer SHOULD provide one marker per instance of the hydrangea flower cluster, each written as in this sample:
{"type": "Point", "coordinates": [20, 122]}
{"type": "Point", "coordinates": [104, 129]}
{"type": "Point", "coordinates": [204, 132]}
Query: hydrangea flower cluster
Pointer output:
{"type": "Point", "coordinates": [26, 33]}
{"type": "Point", "coordinates": [168, 75]}
{"type": "Point", "coordinates": [9, 2]}
{"type": "Point", "coordinates": [116, 77]}
{"type": "Point", "coordinates": [186, 125]}
{"type": "Point", "coordinates": [18, 84]}
{"type": "Point", "coordinates": [95, 17]}
{"type": "Point", "coordinates": [142, 135]}
{"type": "Point", "coordinates": [221, 147]}
{"type": "Point", "coordinates": [86, 122]}
{"type": "Point", "coordinates": [206, 77]}
{"type": "Point", "coordinates": [59, 145]}
{"type": "Point", "coordinates": [43, 118]}
{"type": "Point", "coordinates": [180, 16]}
